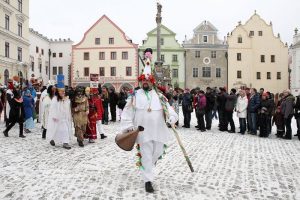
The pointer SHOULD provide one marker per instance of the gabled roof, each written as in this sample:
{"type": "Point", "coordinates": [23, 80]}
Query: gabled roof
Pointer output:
{"type": "Point", "coordinates": [97, 22]}
{"type": "Point", "coordinates": [206, 26]}
{"type": "Point", "coordinates": [153, 31]}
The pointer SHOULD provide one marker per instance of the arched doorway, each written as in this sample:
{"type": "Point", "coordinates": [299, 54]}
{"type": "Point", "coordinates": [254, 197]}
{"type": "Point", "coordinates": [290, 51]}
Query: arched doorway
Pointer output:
{"type": "Point", "coordinates": [126, 86]}
{"type": "Point", "coordinates": [6, 76]}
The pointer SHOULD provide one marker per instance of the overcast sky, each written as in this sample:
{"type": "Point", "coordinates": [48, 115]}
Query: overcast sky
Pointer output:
{"type": "Point", "coordinates": [71, 18]}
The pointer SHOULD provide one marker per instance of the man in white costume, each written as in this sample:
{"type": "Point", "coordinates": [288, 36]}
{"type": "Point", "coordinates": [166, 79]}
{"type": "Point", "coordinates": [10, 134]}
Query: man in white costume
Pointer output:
{"type": "Point", "coordinates": [59, 127]}
{"type": "Point", "coordinates": [145, 109]}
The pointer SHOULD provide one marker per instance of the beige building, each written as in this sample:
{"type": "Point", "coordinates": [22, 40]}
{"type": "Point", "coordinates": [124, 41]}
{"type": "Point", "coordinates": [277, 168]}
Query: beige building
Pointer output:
{"type": "Point", "coordinates": [107, 51]}
{"type": "Point", "coordinates": [257, 58]}
{"type": "Point", "coordinates": [14, 39]}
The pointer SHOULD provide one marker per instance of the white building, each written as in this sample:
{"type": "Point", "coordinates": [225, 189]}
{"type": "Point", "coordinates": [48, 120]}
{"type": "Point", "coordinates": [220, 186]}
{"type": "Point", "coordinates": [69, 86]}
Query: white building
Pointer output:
{"type": "Point", "coordinates": [14, 39]}
{"type": "Point", "coordinates": [46, 52]}
{"type": "Point", "coordinates": [295, 64]}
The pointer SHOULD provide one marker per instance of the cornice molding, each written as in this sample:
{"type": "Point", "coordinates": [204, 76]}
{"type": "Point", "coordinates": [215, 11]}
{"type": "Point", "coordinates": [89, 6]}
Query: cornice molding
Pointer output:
{"type": "Point", "coordinates": [14, 37]}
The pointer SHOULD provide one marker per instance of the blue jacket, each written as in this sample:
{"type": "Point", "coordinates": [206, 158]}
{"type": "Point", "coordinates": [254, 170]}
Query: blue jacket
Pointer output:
{"type": "Point", "coordinates": [28, 104]}
{"type": "Point", "coordinates": [254, 103]}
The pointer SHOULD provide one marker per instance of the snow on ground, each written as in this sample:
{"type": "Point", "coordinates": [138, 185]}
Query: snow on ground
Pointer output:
{"type": "Point", "coordinates": [227, 166]}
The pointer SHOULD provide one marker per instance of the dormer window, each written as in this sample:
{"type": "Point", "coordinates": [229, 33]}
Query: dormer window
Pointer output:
{"type": "Point", "coordinates": [205, 38]}
{"type": "Point", "coordinates": [240, 39]}
{"type": "Point", "coordinates": [251, 33]}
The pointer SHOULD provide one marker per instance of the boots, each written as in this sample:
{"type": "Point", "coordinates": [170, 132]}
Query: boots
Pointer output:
{"type": "Point", "coordinates": [148, 187]}
{"type": "Point", "coordinates": [103, 136]}
{"type": "Point", "coordinates": [44, 133]}
{"type": "Point", "coordinates": [21, 135]}
{"type": "Point", "coordinates": [52, 143]}
{"type": "Point", "coordinates": [66, 146]}
{"type": "Point", "coordinates": [5, 133]}
{"type": "Point", "coordinates": [80, 143]}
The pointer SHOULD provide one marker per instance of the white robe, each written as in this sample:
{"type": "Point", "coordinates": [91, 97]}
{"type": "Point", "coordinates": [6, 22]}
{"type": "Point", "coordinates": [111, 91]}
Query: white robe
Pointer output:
{"type": "Point", "coordinates": [42, 97]}
{"type": "Point", "coordinates": [136, 114]}
{"type": "Point", "coordinates": [60, 130]}
{"type": "Point", "coordinates": [7, 106]}
{"type": "Point", "coordinates": [45, 108]}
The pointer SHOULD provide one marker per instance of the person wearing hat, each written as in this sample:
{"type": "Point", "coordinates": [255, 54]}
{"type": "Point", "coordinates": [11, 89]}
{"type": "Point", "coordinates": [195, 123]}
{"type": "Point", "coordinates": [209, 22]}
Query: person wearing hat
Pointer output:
{"type": "Point", "coordinates": [145, 108]}
{"type": "Point", "coordinates": [80, 110]}
{"type": "Point", "coordinates": [187, 108]}
{"type": "Point", "coordinates": [46, 102]}
{"type": "Point", "coordinates": [59, 128]}
{"type": "Point", "coordinates": [16, 114]}
{"type": "Point", "coordinates": [287, 109]}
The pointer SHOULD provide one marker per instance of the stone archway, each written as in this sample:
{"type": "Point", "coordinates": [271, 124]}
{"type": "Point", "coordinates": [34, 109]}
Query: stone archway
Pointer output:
{"type": "Point", "coordinates": [6, 76]}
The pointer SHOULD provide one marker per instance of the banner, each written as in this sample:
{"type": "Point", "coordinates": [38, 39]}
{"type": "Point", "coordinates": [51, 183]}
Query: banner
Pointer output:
{"type": "Point", "coordinates": [94, 80]}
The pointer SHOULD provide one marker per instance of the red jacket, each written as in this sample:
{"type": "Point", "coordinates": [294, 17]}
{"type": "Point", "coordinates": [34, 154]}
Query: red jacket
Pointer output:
{"type": "Point", "coordinates": [96, 107]}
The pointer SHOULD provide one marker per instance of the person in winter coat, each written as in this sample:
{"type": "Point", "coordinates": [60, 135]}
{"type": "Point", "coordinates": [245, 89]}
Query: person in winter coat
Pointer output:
{"type": "Point", "coordinates": [297, 115]}
{"type": "Point", "coordinates": [28, 104]}
{"type": "Point", "coordinates": [113, 101]}
{"type": "Point", "coordinates": [45, 109]}
{"type": "Point", "coordinates": [105, 102]}
{"type": "Point", "coordinates": [100, 110]}
{"type": "Point", "coordinates": [16, 114]}
{"type": "Point", "coordinates": [187, 108]}
{"type": "Point", "coordinates": [200, 110]}
{"type": "Point", "coordinates": [221, 101]}
{"type": "Point", "coordinates": [278, 119]}
{"type": "Point", "coordinates": [264, 113]}
{"type": "Point", "coordinates": [210, 103]}
{"type": "Point", "coordinates": [287, 109]}
{"type": "Point", "coordinates": [229, 107]}
{"type": "Point", "coordinates": [272, 109]}
{"type": "Point", "coordinates": [241, 110]}
{"type": "Point", "coordinates": [253, 106]}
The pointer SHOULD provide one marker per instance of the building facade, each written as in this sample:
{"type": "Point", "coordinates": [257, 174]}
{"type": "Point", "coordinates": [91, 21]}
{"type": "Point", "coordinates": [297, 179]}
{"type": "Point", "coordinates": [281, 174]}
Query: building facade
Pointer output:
{"type": "Point", "coordinates": [49, 57]}
{"type": "Point", "coordinates": [172, 54]}
{"type": "Point", "coordinates": [105, 50]}
{"type": "Point", "coordinates": [206, 58]}
{"type": "Point", "coordinates": [295, 64]}
{"type": "Point", "coordinates": [14, 39]}
{"type": "Point", "coordinates": [257, 58]}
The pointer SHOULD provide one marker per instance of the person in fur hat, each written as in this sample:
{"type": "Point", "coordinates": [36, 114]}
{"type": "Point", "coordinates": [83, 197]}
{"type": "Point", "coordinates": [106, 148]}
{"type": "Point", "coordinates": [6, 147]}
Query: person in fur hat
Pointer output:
{"type": "Point", "coordinates": [145, 108]}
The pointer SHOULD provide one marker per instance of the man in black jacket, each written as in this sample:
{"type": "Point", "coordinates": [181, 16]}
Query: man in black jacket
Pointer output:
{"type": "Point", "coordinates": [221, 100]}
{"type": "Point", "coordinates": [210, 103]}
{"type": "Point", "coordinates": [229, 107]}
{"type": "Point", "coordinates": [113, 101]}
{"type": "Point", "coordinates": [187, 107]}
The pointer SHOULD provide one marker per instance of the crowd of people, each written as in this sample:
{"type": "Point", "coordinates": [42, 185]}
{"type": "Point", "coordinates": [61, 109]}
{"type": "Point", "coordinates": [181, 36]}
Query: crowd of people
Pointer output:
{"type": "Point", "coordinates": [86, 109]}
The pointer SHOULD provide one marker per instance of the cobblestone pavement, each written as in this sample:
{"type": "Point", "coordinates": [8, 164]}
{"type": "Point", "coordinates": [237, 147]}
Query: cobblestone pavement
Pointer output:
{"type": "Point", "coordinates": [227, 166]}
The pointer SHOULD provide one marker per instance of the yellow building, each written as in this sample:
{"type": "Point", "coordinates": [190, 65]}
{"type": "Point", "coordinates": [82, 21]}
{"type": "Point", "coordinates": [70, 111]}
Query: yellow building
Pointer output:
{"type": "Point", "coordinates": [257, 58]}
{"type": "Point", "coordinates": [14, 39]}
{"type": "Point", "coordinates": [105, 50]}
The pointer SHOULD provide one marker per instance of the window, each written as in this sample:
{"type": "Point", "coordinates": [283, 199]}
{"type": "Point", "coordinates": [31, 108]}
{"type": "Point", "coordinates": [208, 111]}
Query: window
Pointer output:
{"type": "Point", "coordinates": [37, 49]}
{"type": "Point", "coordinates": [86, 56]}
{"type": "Point", "coordinates": [262, 58]}
{"type": "Point", "coordinates": [60, 70]}
{"type": "Point", "coordinates": [60, 55]}
{"type": "Point", "coordinates": [102, 71]}
{"type": "Point", "coordinates": [278, 75]}
{"type": "Point", "coordinates": [162, 57]}
{"type": "Point", "coordinates": [111, 40]}
{"type": "Point", "coordinates": [6, 49]}
{"type": "Point", "coordinates": [54, 71]}
{"type": "Point", "coordinates": [42, 51]}
{"type": "Point", "coordinates": [128, 71]}
{"type": "Point", "coordinates": [175, 73]}
{"type": "Point", "coordinates": [40, 67]}
{"type": "Point", "coordinates": [195, 72]}
{"type": "Point", "coordinates": [54, 55]}
{"type": "Point", "coordinates": [269, 75]}
{"type": "Point", "coordinates": [239, 74]}
{"type": "Point", "coordinates": [251, 33]}
{"type": "Point", "coordinates": [213, 54]}
{"type": "Point", "coordinates": [97, 41]}
{"type": "Point", "coordinates": [206, 72]}
{"type": "Point", "coordinates": [124, 55]}
{"type": "Point", "coordinates": [113, 55]}
{"type": "Point", "coordinates": [257, 75]}
{"type": "Point", "coordinates": [113, 71]}
{"type": "Point", "coordinates": [240, 40]}
{"type": "Point", "coordinates": [197, 54]}
{"type": "Point", "coordinates": [19, 54]}
{"type": "Point", "coordinates": [86, 71]}
{"type": "Point", "coordinates": [238, 56]}
{"type": "Point", "coordinates": [260, 33]}
{"type": "Point", "coordinates": [6, 22]}
{"type": "Point", "coordinates": [162, 41]}
{"type": "Point", "coordinates": [205, 38]}
{"type": "Point", "coordinates": [20, 6]}
{"type": "Point", "coordinates": [218, 72]}
{"type": "Point", "coordinates": [32, 66]}
{"type": "Point", "coordinates": [174, 58]}
{"type": "Point", "coordinates": [101, 55]}
{"type": "Point", "coordinates": [20, 27]}
{"type": "Point", "coordinates": [272, 58]}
